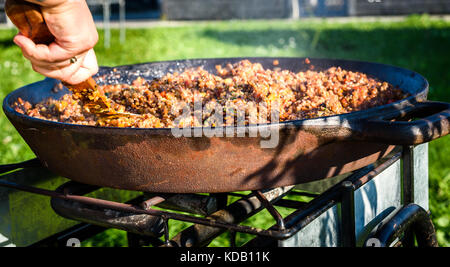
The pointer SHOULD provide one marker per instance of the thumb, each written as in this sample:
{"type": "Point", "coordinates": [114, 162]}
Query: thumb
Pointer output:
{"type": "Point", "coordinates": [88, 68]}
{"type": "Point", "coordinates": [90, 62]}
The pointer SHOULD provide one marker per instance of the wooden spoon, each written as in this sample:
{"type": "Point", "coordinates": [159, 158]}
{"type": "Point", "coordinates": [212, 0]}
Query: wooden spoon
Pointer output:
{"type": "Point", "coordinates": [29, 20]}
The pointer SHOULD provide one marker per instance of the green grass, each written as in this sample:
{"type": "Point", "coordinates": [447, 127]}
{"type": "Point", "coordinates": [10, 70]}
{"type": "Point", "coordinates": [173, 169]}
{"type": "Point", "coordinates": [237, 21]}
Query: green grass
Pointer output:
{"type": "Point", "coordinates": [418, 43]}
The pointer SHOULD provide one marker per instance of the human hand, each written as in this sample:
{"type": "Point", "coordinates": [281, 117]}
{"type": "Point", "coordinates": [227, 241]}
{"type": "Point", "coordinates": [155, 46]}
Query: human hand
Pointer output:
{"type": "Point", "coordinates": [70, 57]}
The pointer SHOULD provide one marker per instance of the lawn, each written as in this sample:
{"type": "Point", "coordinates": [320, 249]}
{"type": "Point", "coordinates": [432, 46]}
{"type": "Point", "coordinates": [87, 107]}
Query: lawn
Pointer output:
{"type": "Point", "coordinates": [418, 43]}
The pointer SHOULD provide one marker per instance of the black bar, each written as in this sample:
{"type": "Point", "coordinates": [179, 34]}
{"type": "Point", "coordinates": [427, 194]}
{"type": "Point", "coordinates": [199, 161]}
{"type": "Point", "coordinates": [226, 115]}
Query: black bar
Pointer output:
{"type": "Point", "coordinates": [408, 187]}
{"type": "Point", "coordinates": [408, 175]}
{"type": "Point", "coordinates": [348, 215]}
{"type": "Point", "coordinates": [232, 239]}
{"type": "Point", "coordinates": [166, 230]}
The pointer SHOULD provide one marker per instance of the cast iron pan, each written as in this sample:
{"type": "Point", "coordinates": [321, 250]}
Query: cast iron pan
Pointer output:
{"type": "Point", "coordinates": [154, 160]}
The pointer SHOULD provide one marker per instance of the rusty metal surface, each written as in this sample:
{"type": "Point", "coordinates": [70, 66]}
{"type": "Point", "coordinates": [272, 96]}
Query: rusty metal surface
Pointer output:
{"type": "Point", "coordinates": [153, 160]}
{"type": "Point", "coordinates": [142, 224]}
{"type": "Point", "coordinates": [184, 165]}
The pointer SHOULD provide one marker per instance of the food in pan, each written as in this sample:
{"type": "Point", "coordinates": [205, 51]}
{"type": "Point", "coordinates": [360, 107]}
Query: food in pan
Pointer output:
{"type": "Point", "coordinates": [233, 88]}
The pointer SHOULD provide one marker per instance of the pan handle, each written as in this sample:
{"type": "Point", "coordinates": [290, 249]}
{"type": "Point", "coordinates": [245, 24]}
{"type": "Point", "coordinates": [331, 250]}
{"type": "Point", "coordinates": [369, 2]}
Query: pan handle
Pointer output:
{"type": "Point", "coordinates": [433, 122]}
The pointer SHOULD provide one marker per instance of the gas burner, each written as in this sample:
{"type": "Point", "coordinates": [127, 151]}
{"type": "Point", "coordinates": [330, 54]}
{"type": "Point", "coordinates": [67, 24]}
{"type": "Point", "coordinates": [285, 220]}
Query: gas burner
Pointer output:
{"type": "Point", "coordinates": [374, 206]}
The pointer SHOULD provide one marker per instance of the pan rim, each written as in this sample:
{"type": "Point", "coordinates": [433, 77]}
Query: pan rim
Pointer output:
{"type": "Point", "coordinates": [419, 96]}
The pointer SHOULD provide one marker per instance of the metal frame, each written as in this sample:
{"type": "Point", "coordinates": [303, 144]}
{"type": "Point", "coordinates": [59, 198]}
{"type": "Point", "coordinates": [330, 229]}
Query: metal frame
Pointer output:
{"type": "Point", "coordinates": [106, 18]}
{"type": "Point", "coordinates": [407, 220]}
{"type": "Point", "coordinates": [137, 209]}
{"type": "Point", "coordinates": [218, 218]}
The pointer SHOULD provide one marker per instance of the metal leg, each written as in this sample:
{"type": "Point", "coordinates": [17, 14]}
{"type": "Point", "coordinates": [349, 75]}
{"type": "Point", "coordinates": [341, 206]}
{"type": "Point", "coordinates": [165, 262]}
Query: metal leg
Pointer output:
{"type": "Point", "coordinates": [348, 215]}
{"type": "Point", "coordinates": [166, 231]}
{"type": "Point", "coordinates": [122, 21]}
{"type": "Point", "coordinates": [232, 239]}
{"type": "Point", "coordinates": [408, 188]}
{"type": "Point", "coordinates": [271, 209]}
{"type": "Point", "coordinates": [106, 26]}
{"type": "Point", "coordinates": [295, 9]}
{"type": "Point", "coordinates": [408, 174]}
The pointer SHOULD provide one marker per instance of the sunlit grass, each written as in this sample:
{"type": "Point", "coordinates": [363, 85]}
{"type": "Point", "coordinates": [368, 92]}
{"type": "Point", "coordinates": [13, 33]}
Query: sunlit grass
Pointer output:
{"type": "Point", "coordinates": [418, 43]}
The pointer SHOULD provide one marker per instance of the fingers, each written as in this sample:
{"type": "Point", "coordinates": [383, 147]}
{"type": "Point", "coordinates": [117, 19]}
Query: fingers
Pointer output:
{"type": "Point", "coordinates": [42, 53]}
{"type": "Point", "coordinates": [73, 73]}
{"type": "Point", "coordinates": [63, 73]}
{"type": "Point", "coordinates": [55, 62]}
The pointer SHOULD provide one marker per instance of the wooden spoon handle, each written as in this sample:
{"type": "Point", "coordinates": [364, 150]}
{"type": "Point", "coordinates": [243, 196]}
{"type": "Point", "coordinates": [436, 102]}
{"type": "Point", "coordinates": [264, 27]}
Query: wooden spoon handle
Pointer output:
{"type": "Point", "coordinates": [29, 20]}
